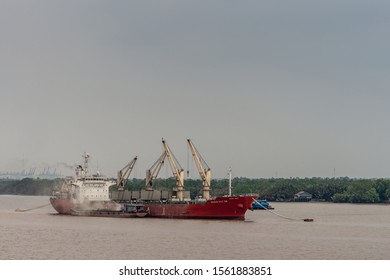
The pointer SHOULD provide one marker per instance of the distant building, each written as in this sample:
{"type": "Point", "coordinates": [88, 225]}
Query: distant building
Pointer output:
{"type": "Point", "coordinates": [302, 196]}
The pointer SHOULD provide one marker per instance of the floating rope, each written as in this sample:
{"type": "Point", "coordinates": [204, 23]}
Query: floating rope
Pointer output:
{"type": "Point", "coordinates": [25, 210]}
{"type": "Point", "coordinates": [284, 217]}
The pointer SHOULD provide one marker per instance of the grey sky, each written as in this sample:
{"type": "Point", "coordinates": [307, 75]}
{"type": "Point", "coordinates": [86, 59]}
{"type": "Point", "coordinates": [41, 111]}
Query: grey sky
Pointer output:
{"type": "Point", "coordinates": [270, 88]}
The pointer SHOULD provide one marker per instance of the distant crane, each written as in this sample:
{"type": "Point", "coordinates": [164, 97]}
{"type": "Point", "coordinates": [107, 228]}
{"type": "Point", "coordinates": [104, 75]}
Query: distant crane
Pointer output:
{"type": "Point", "coordinates": [124, 174]}
{"type": "Point", "coordinates": [203, 169]}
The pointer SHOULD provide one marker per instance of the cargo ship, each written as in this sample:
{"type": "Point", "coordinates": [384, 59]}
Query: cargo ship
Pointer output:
{"type": "Point", "coordinates": [90, 195]}
{"type": "Point", "coordinates": [177, 203]}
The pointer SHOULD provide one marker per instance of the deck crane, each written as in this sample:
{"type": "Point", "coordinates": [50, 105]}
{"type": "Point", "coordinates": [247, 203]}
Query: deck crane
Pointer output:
{"type": "Point", "coordinates": [124, 174]}
{"type": "Point", "coordinates": [177, 171]}
{"type": "Point", "coordinates": [204, 170]}
{"type": "Point", "coordinates": [151, 174]}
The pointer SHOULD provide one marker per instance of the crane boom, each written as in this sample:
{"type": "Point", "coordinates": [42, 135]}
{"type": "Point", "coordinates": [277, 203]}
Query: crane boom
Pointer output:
{"type": "Point", "coordinates": [203, 169]}
{"type": "Point", "coordinates": [124, 174]}
{"type": "Point", "coordinates": [152, 173]}
{"type": "Point", "coordinates": [177, 171]}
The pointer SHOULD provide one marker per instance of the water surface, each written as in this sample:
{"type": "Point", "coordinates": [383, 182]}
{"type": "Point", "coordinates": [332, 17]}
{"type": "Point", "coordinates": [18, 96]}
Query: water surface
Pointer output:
{"type": "Point", "coordinates": [339, 231]}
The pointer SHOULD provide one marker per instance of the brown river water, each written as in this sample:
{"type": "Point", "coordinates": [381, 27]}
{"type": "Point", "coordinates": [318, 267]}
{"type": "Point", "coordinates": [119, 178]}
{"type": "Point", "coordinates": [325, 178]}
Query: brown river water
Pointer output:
{"type": "Point", "coordinates": [338, 232]}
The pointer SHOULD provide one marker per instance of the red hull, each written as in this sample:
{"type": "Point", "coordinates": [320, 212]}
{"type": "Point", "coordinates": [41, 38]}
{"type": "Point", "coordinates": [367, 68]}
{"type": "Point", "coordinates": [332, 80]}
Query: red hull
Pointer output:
{"type": "Point", "coordinates": [231, 207]}
{"type": "Point", "coordinates": [66, 206]}
{"type": "Point", "coordinates": [62, 205]}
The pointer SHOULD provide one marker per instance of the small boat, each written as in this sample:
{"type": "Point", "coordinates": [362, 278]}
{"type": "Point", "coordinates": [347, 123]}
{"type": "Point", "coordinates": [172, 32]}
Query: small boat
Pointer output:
{"type": "Point", "coordinates": [261, 204]}
{"type": "Point", "coordinates": [128, 211]}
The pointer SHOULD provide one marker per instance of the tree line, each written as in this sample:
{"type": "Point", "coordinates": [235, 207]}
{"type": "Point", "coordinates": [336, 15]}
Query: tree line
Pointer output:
{"type": "Point", "coordinates": [342, 189]}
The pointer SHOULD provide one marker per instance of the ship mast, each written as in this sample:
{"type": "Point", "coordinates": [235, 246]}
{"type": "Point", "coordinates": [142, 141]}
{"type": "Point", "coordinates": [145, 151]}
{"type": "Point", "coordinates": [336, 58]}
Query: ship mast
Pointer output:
{"type": "Point", "coordinates": [124, 174]}
{"type": "Point", "coordinates": [86, 158]}
{"type": "Point", "coordinates": [177, 171]}
{"type": "Point", "coordinates": [81, 171]}
{"type": "Point", "coordinates": [230, 181]}
{"type": "Point", "coordinates": [203, 169]}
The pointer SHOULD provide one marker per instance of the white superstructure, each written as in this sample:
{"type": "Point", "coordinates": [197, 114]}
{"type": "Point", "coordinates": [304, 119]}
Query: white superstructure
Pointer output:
{"type": "Point", "coordinates": [90, 188]}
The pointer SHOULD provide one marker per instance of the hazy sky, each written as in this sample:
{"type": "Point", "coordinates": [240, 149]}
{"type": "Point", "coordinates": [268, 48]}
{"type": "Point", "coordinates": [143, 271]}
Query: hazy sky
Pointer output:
{"type": "Point", "coordinates": [271, 88]}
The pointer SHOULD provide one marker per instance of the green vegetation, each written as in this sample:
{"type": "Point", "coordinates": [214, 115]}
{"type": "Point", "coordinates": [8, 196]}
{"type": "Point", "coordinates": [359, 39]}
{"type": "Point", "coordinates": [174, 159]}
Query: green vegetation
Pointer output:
{"type": "Point", "coordinates": [362, 191]}
{"type": "Point", "coordinates": [324, 189]}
